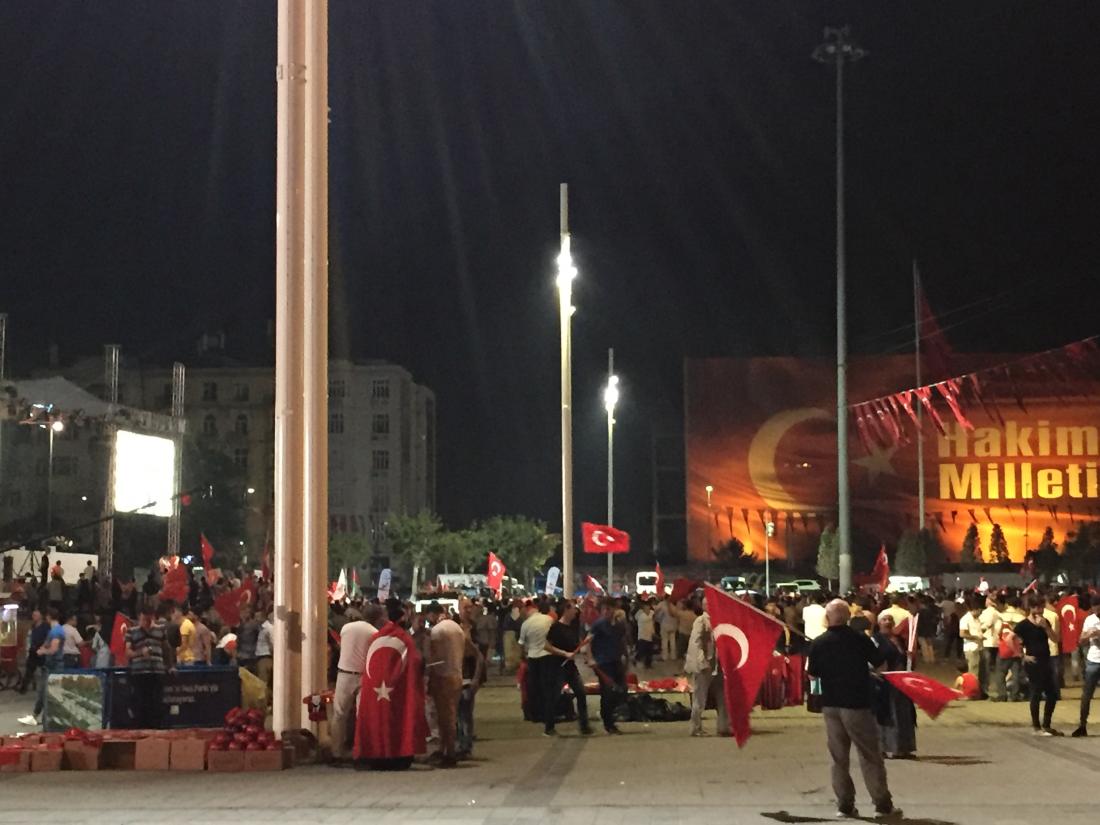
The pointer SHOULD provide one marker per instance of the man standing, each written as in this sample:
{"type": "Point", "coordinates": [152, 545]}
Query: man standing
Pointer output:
{"type": "Point", "coordinates": [1090, 633]}
{"type": "Point", "coordinates": [665, 617]}
{"type": "Point", "coordinates": [70, 649]}
{"type": "Point", "coordinates": [1036, 633]}
{"type": "Point", "coordinates": [485, 630]}
{"type": "Point", "coordinates": [149, 652]}
{"type": "Point", "coordinates": [563, 643]}
{"type": "Point", "coordinates": [248, 633]}
{"type": "Point", "coordinates": [355, 639]}
{"type": "Point", "coordinates": [185, 652]}
{"type": "Point", "coordinates": [607, 654]}
{"type": "Point", "coordinates": [448, 647]}
{"type": "Point", "coordinates": [701, 665]}
{"type": "Point", "coordinates": [265, 652]}
{"type": "Point", "coordinates": [990, 620]}
{"type": "Point", "coordinates": [643, 650]}
{"type": "Point", "coordinates": [532, 640]}
{"type": "Point", "coordinates": [52, 661]}
{"type": "Point", "coordinates": [842, 659]}
{"type": "Point", "coordinates": [35, 639]}
{"type": "Point", "coordinates": [813, 616]}
{"type": "Point", "coordinates": [970, 631]}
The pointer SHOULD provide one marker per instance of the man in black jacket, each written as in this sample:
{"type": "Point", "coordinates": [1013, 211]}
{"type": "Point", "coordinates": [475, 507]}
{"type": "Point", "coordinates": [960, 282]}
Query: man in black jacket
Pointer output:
{"type": "Point", "coordinates": [842, 659]}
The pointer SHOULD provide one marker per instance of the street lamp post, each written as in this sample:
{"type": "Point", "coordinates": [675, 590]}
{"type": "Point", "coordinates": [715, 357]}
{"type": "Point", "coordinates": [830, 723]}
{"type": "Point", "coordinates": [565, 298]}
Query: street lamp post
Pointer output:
{"type": "Point", "coordinates": [838, 48]}
{"type": "Point", "coordinates": [769, 531]}
{"type": "Point", "coordinates": [53, 428]}
{"type": "Point", "coordinates": [566, 273]}
{"type": "Point", "coordinates": [610, 399]}
{"type": "Point", "coordinates": [710, 517]}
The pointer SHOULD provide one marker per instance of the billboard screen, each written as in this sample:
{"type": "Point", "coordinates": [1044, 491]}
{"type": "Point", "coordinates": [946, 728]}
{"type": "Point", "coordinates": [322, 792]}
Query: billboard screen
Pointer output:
{"type": "Point", "coordinates": [144, 473]}
{"type": "Point", "coordinates": [761, 433]}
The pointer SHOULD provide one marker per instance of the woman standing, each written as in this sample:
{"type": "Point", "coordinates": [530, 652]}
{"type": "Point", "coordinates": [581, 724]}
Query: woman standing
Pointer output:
{"type": "Point", "coordinates": [898, 721]}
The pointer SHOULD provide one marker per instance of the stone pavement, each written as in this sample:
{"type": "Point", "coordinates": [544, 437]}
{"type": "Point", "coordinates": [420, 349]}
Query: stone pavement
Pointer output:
{"type": "Point", "coordinates": [979, 763]}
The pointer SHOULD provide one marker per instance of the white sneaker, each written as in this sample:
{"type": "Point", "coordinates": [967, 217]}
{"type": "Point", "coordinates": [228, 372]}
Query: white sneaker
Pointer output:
{"type": "Point", "coordinates": [28, 720]}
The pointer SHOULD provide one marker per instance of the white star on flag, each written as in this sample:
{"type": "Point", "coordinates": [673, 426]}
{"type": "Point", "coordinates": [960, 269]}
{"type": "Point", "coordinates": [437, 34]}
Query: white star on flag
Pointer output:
{"type": "Point", "coordinates": [383, 692]}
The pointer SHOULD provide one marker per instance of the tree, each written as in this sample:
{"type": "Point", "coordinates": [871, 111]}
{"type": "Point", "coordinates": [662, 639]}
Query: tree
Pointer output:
{"type": "Point", "coordinates": [416, 541]}
{"type": "Point", "coordinates": [1046, 556]}
{"type": "Point", "coordinates": [998, 545]}
{"type": "Point", "coordinates": [1081, 553]}
{"type": "Point", "coordinates": [828, 555]}
{"type": "Point", "coordinates": [347, 550]}
{"type": "Point", "coordinates": [971, 554]}
{"type": "Point", "coordinates": [521, 543]}
{"type": "Point", "coordinates": [732, 554]}
{"type": "Point", "coordinates": [917, 553]}
{"type": "Point", "coordinates": [216, 506]}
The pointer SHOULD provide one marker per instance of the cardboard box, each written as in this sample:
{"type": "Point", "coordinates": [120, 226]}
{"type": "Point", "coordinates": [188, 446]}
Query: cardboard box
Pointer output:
{"type": "Point", "coordinates": [188, 754]}
{"type": "Point", "coordinates": [22, 740]}
{"type": "Point", "coordinates": [21, 765]}
{"type": "Point", "coordinates": [117, 755]}
{"type": "Point", "coordinates": [265, 760]}
{"type": "Point", "coordinates": [152, 754]}
{"type": "Point", "coordinates": [80, 756]}
{"type": "Point", "coordinates": [225, 761]}
{"type": "Point", "coordinates": [46, 759]}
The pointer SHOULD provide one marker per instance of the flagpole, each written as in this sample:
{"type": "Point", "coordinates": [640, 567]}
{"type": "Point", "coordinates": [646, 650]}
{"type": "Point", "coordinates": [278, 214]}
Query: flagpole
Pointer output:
{"type": "Point", "coordinates": [920, 412]}
{"type": "Point", "coordinates": [610, 398]}
{"type": "Point", "coordinates": [566, 273]}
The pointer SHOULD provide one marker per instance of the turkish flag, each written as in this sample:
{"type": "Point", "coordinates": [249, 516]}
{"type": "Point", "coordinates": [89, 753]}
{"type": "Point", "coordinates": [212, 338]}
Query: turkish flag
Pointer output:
{"type": "Point", "coordinates": [660, 582]}
{"type": "Point", "coordinates": [1072, 619]}
{"type": "Point", "coordinates": [745, 638]}
{"type": "Point", "coordinates": [593, 585]}
{"type": "Point", "coordinates": [229, 604]}
{"type": "Point", "coordinates": [603, 538]}
{"type": "Point", "coordinates": [123, 623]}
{"type": "Point", "coordinates": [208, 568]}
{"type": "Point", "coordinates": [496, 573]}
{"type": "Point", "coordinates": [176, 586]}
{"type": "Point", "coordinates": [880, 573]}
{"type": "Point", "coordinates": [927, 694]}
{"type": "Point", "coordinates": [390, 723]}
{"type": "Point", "coordinates": [682, 588]}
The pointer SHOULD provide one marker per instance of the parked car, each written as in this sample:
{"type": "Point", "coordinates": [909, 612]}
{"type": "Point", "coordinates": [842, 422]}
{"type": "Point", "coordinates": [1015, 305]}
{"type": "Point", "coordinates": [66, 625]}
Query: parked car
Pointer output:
{"type": "Point", "coordinates": [799, 586]}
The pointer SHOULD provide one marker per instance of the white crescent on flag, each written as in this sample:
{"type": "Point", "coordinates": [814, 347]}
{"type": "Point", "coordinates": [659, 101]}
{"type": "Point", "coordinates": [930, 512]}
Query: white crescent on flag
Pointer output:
{"type": "Point", "coordinates": [917, 684]}
{"type": "Point", "coordinates": [391, 642]}
{"type": "Point", "coordinates": [494, 569]}
{"type": "Point", "coordinates": [738, 635]}
{"type": "Point", "coordinates": [598, 538]}
{"type": "Point", "coordinates": [1069, 616]}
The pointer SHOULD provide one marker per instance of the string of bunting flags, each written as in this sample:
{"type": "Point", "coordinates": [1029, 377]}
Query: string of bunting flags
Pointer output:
{"type": "Point", "coordinates": [890, 420]}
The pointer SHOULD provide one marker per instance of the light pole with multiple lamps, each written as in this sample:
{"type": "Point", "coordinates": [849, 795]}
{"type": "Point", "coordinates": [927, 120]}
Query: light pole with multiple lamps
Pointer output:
{"type": "Point", "coordinates": [769, 531]}
{"type": "Point", "coordinates": [566, 273]}
{"type": "Point", "coordinates": [610, 399]}
{"type": "Point", "coordinates": [837, 49]}
{"type": "Point", "coordinates": [53, 428]}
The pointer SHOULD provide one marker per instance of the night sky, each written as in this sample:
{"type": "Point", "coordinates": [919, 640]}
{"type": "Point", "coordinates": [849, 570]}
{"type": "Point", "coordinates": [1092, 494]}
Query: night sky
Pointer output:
{"type": "Point", "coordinates": [137, 169]}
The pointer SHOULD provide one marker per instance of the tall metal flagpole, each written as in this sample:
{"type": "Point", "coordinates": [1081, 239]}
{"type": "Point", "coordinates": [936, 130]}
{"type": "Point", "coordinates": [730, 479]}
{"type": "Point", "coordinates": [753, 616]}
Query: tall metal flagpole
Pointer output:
{"type": "Point", "coordinates": [301, 358]}
{"type": "Point", "coordinates": [566, 273]}
{"type": "Point", "coordinates": [920, 429]}
{"type": "Point", "coordinates": [610, 398]}
{"type": "Point", "coordinates": [837, 48]}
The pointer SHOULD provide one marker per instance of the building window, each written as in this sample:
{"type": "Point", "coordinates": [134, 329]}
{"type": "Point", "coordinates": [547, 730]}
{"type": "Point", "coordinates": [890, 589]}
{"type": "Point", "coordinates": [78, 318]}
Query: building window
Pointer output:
{"type": "Point", "coordinates": [337, 388]}
{"type": "Point", "coordinates": [380, 389]}
{"type": "Point", "coordinates": [380, 500]}
{"type": "Point", "coordinates": [240, 392]}
{"type": "Point", "coordinates": [380, 460]}
{"type": "Point", "coordinates": [65, 465]}
{"type": "Point", "coordinates": [210, 425]}
{"type": "Point", "coordinates": [241, 427]}
{"type": "Point", "coordinates": [240, 457]}
{"type": "Point", "coordinates": [336, 423]}
{"type": "Point", "coordinates": [209, 391]}
{"type": "Point", "coordinates": [380, 424]}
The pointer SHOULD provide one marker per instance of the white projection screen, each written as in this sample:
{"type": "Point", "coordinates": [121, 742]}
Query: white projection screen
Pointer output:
{"type": "Point", "coordinates": [144, 473]}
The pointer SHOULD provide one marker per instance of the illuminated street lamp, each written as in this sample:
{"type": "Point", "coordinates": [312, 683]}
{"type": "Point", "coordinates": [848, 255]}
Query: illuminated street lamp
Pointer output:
{"type": "Point", "coordinates": [566, 273]}
{"type": "Point", "coordinates": [56, 426]}
{"type": "Point", "coordinates": [769, 531]}
{"type": "Point", "coordinates": [610, 399]}
{"type": "Point", "coordinates": [710, 516]}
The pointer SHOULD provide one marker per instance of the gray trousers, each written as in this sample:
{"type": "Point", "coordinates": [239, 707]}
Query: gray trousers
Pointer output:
{"type": "Point", "coordinates": [345, 701]}
{"type": "Point", "coordinates": [703, 685]}
{"type": "Point", "coordinates": [845, 727]}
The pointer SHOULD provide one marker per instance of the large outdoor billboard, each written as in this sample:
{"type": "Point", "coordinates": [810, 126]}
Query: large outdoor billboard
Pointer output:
{"type": "Point", "coordinates": [761, 433]}
{"type": "Point", "coordinates": [144, 474]}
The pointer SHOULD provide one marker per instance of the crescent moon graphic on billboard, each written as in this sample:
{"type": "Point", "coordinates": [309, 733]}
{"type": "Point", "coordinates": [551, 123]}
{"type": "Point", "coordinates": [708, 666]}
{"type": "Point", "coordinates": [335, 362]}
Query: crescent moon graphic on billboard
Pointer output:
{"type": "Point", "coordinates": [391, 642]}
{"type": "Point", "coordinates": [738, 635]}
{"type": "Point", "coordinates": [762, 450]}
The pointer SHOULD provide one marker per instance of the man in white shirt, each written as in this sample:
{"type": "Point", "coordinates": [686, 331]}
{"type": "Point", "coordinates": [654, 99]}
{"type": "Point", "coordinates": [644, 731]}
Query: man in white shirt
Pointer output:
{"type": "Point", "coordinates": [813, 617]}
{"type": "Point", "coordinates": [970, 631]}
{"type": "Point", "coordinates": [1090, 632]}
{"type": "Point", "coordinates": [990, 619]}
{"type": "Point", "coordinates": [532, 641]}
{"type": "Point", "coordinates": [665, 616]}
{"type": "Point", "coordinates": [355, 639]}
{"type": "Point", "coordinates": [73, 640]}
{"type": "Point", "coordinates": [643, 650]}
{"type": "Point", "coordinates": [448, 646]}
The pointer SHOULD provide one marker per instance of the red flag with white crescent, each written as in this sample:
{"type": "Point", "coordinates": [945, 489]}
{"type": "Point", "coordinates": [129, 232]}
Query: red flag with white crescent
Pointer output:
{"type": "Point", "coordinates": [603, 538]}
{"type": "Point", "coordinates": [927, 694]}
{"type": "Point", "coordinates": [229, 604]}
{"type": "Point", "coordinates": [123, 623]}
{"type": "Point", "coordinates": [880, 573]}
{"type": "Point", "coordinates": [660, 582]}
{"type": "Point", "coordinates": [593, 585]}
{"type": "Point", "coordinates": [496, 573]}
{"type": "Point", "coordinates": [744, 638]}
{"type": "Point", "coordinates": [390, 723]}
{"type": "Point", "coordinates": [207, 559]}
{"type": "Point", "coordinates": [1072, 620]}
{"type": "Point", "coordinates": [176, 587]}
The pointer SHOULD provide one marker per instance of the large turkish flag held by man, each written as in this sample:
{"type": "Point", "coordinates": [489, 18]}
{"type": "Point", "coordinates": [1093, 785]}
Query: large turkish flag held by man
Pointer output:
{"type": "Point", "coordinates": [927, 694]}
{"type": "Point", "coordinates": [745, 638]}
{"type": "Point", "coordinates": [229, 603]}
{"type": "Point", "coordinates": [123, 623]}
{"type": "Point", "coordinates": [390, 723]}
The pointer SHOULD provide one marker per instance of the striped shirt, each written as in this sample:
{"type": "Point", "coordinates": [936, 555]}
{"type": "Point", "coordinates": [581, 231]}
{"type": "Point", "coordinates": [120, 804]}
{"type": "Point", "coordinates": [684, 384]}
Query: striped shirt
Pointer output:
{"type": "Point", "coordinates": [148, 649]}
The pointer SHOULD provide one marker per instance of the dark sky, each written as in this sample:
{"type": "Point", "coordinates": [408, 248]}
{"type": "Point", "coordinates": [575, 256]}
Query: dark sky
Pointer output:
{"type": "Point", "coordinates": [137, 173]}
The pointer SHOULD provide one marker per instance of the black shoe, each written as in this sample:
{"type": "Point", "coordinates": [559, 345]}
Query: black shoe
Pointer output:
{"type": "Point", "coordinates": [614, 731]}
{"type": "Point", "coordinates": [1052, 732]}
{"type": "Point", "coordinates": [587, 731]}
{"type": "Point", "coordinates": [550, 732]}
{"type": "Point", "coordinates": [892, 812]}
{"type": "Point", "coordinates": [1081, 731]}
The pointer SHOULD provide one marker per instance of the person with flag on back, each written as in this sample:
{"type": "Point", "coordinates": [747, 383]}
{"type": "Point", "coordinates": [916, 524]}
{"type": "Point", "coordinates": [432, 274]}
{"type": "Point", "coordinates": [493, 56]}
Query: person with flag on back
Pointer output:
{"type": "Point", "coordinates": [842, 659]}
